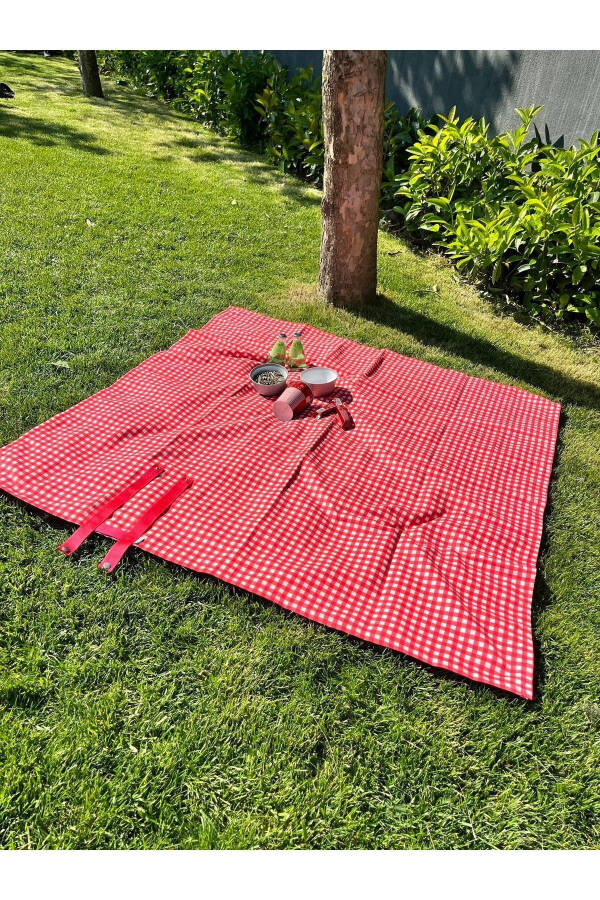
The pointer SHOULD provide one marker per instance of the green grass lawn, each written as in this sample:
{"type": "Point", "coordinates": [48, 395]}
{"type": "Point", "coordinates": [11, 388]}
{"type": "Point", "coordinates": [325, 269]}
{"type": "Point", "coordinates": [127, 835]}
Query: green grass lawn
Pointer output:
{"type": "Point", "coordinates": [163, 709]}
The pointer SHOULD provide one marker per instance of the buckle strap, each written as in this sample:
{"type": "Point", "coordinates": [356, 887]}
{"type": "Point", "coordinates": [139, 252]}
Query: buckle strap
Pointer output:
{"type": "Point", "coordinates": [118, 549]}
{"type": "Point", "coordinates": [107, 508]}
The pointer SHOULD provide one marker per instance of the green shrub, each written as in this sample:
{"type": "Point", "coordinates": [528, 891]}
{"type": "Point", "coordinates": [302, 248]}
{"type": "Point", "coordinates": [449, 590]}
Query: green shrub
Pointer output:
{"type": "Point", "coordinates": [161, 73]}
{"type": "Point", "coordinates": [399, 134]}
{"type": "Point", "coordinates": [222, 88]}
{"type": "Point", "coordinates": [522, 215]}
{"type": "Point", "coordinates": [291, 118]}
{"type": "Point", "coordinates": [219, 88]}
{"type": "Point", "coordinates": [202, 91]}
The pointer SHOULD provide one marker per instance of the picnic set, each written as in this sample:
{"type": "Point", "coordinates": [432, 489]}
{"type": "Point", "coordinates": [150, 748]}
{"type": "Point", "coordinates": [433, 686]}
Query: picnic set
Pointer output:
{"type": "Point", "coordinates": [271, 379]}
{"type": "Point", "coordinates": [373, 493]}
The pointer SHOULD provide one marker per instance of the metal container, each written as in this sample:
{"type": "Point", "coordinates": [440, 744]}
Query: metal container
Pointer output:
{"type": "Point", "coordinates": [268, 390]}
{"type": "Point", "coordinates": [293, 401]}
{"type": "Point", "coordinates": [320, 380]}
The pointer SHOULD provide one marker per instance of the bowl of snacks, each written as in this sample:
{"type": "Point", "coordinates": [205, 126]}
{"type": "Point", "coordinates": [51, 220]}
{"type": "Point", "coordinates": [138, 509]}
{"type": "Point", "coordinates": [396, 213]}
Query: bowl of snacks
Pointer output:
{"type": "Point", "coordinates": [269, 379]}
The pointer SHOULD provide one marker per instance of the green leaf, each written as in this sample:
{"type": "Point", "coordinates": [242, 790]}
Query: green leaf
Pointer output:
{"type": "Point", "coordinates": [593, 313]}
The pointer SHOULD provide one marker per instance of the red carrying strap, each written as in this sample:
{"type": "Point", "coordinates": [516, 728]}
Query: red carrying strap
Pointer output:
{"type": "Point", "coordinates": [106, 509]}
{"type": "Point", "coordinates": [344, 415]}
{"type": "Point", "coordinates": [118, 549]}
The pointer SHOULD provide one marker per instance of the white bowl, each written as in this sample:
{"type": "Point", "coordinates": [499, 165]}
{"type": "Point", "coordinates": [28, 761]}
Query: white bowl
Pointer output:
{"type": "Point", "coordinates": [320, 380]}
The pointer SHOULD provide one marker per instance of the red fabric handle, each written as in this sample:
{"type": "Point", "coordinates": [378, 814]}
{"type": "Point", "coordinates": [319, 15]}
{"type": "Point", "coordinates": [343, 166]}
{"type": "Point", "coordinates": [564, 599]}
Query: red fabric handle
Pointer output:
{"type": "Point", "coordinates": [118, 549]}
{"type": "Point", "coordinates": [106, 509]}
{"type": "Point", "coordinates": [345, 417]}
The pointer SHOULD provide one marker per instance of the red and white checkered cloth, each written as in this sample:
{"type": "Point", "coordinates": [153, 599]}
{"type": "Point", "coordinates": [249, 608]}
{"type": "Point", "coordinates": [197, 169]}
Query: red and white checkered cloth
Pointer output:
{"type": "Point", "coordinates": [418, 530]}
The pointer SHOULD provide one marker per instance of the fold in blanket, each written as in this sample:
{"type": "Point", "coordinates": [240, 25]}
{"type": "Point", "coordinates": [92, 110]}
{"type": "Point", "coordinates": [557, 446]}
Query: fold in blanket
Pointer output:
{"type": "Point", "coordinates": [417, 530]}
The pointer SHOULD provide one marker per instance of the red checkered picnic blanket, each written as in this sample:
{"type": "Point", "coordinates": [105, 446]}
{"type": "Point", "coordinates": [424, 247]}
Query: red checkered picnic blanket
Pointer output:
{"type": "Point", "coordinates": [417, 530]}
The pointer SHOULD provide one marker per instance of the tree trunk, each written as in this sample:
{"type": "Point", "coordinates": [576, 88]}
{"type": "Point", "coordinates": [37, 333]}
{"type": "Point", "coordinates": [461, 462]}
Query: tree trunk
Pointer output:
{"type": "Point", "coordinates": [353, 99]}
{"type": "Point", "coordinates": [90, 76]}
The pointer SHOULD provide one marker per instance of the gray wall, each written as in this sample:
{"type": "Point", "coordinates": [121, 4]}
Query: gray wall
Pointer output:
{"type": "Point", "coordinates": [491, 83]}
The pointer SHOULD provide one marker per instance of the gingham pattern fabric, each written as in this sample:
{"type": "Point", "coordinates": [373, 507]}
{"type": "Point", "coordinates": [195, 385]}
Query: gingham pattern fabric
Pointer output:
{"type": "Point", "coordinates": [417, 530]}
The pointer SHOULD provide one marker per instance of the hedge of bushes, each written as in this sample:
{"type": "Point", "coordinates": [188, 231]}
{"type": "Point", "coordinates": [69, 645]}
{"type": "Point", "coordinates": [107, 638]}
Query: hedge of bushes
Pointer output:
{"type": "Point", "coordinates": [522, 215]}
{"type": "Point", "coordinates": [511, 211]}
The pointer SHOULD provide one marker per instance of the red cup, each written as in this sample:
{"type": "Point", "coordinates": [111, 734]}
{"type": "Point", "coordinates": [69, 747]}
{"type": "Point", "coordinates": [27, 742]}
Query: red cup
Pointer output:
{"type": "Point", "coordinates": [293, 401]}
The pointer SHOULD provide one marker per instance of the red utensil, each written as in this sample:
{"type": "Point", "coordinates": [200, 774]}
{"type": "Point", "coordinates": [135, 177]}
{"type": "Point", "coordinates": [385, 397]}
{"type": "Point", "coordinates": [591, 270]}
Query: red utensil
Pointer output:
{"type": "Point", "coordinates": [343, 414]}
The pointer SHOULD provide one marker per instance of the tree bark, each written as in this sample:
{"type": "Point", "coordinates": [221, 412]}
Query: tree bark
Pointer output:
{"type": "Point", "coordinates": [90, 76]}
{"type": "Point", "coordinates": [353, 100]}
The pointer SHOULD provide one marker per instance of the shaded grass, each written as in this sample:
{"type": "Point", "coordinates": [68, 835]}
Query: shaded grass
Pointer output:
{"type": "Point", "coordinates": [162, 709]}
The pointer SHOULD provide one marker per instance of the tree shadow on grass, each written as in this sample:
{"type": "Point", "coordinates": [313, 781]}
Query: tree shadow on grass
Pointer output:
{"type": "Point", "coordinates": [137, 104]}
{"type": "Point", "coordinates": [255, 169]}
{"type": "Point", "coordinates": [43, 133]}
{"type": "Point", "coordinates": [20, 60]}
{"type": "Point", "coordinates": [430, 332]}
{"type": "Point", "coordinates": [291, 188]}
{"type": "Point", "coordinates": [60, 86]}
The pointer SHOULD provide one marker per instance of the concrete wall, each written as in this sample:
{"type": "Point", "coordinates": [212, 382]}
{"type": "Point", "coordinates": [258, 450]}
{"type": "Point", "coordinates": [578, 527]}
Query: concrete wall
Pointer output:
{"type": "Point", "coordinates": [492, 83]}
